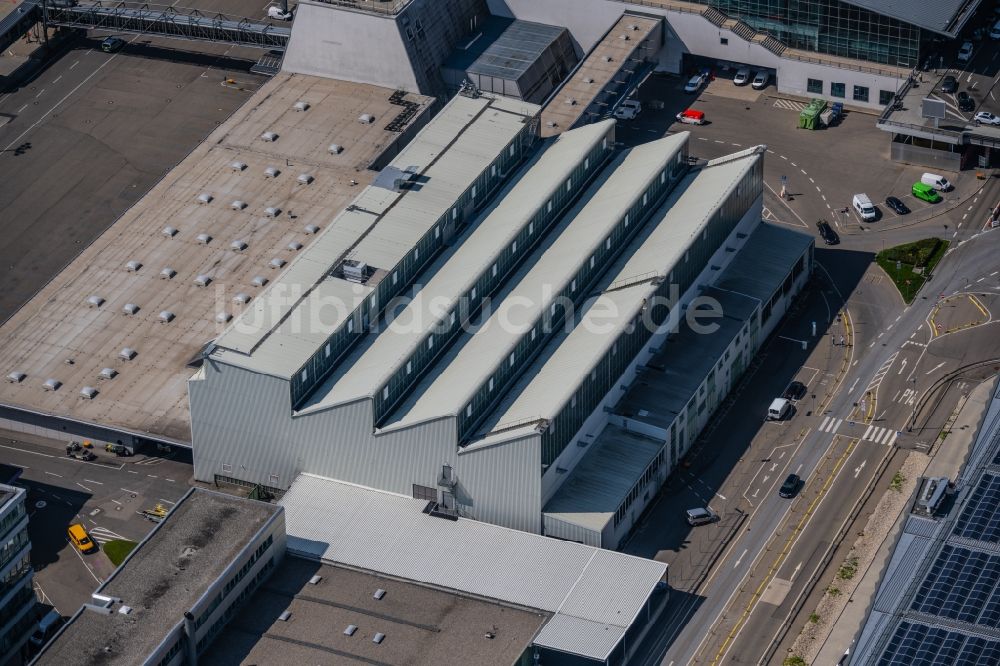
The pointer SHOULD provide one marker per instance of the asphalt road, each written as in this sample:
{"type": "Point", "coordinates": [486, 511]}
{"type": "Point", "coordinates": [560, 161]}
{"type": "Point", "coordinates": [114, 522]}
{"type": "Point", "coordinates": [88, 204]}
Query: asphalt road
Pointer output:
{"type": "Point", "coordinates": [103, 495]}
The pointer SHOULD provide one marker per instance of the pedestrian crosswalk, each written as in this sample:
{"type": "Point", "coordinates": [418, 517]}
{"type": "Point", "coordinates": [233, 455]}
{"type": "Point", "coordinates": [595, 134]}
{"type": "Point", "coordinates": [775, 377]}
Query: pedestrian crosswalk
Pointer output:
{"type": "Point", "coordinates": [872, 433]}
{"type": "Point", "coordinates": [789, 104]}
{"type": "Point", "coordinates": [103, 535]}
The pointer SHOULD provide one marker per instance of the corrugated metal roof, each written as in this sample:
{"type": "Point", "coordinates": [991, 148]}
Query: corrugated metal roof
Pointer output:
{"type": "Point", "coordinates": [685, 214]}
{"type": "Point", "coordinates": [938, 16]}
{"type": "Point", "coordinates": [381, 225]}
{"type": "Point", "coordinates": [517, 48]}
{"type": "Point", "coordinates": [582, 232]}
{"type": "Point", "coordinates": [600, 482]}
{"type": "Point", "coordinates": [459, 272]}
{"type": "Point", "coordinates": [584, 587]}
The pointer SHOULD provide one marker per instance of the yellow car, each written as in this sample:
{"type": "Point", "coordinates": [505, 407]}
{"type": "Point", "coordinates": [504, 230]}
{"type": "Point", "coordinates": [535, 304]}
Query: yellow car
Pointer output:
{"type": "Point", "coordinates": [79, 538]}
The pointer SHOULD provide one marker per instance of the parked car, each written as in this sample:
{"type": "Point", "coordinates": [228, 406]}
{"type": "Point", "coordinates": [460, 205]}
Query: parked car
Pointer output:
{"type": "Point", "coordinates": [965, 102]}
{"type": "Point", "coordinates": [695, 83]}
{"type": "Point", "coordinates": [761, 80]}
{"type": "Point", "coordinates": [275, 12]}
{"type": "Point", "coordinates": [779, 409]}
{"type": "Point", "coordinates": [898, 206]}
{"type": "Point", "coordinates": [112, 44]}
{"type": "Point", "coordinates": [937, 181]}
{"type": "Point", "coordinates": [794, 391]}
{"type": "Point", "coordinates": [987, 118]}
{"type": "Point", "coordinates": [830, 236]}
{"type": "Point", "coordinates": [865, 208]}
{"type": "Point", "coordinates": [790, 486]}
{"type": "Point", "coordinates": [965, 53]}
{"type": "Point", "coordinates": [691, 117]}
{"type": "Point", "coordinates": [949, 84]}
{"type": "Point", "coordinates": [701, 516]}
{"type": "Point", "coordinates": [628, 109]}
{"type": "Point", "coordinates": [925, 192]}
{"type": "Point", "coordinates": [46, 628]}
{"type": "Point", "coordinates": [79, 538]}
{"type": "Point", "coordinates": [742, 76]}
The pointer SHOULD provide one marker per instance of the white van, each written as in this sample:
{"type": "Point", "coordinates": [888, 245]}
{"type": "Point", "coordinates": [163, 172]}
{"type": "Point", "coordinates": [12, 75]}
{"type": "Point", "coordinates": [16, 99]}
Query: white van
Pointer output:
{"type": "Point", "coordinates": [779, 409]}
{"type": "Point", "coordinates": [865, 208]}
{"type": "Point", "coordinates": [629, 109]}
{"type": "Point", "coordinates": [937, 182]}
{"type": "Point", "coordinates": [46, 628]}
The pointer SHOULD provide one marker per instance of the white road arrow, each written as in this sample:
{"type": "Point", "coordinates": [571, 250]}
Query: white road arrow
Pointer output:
{"type": "Point", "coordinates": [798, 567]}
{"type": "Point", "coordinates": [857, 470]}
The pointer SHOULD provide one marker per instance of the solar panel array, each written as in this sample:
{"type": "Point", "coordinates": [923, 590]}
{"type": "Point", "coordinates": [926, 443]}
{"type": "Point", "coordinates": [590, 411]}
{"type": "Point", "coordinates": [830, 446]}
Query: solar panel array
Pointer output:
{"type": "Point", "coordinates": [916, 644]}
{"type": "Point", "coordinates": [962, 585]}
{"type": "Point", "coordinates": [980, 518]}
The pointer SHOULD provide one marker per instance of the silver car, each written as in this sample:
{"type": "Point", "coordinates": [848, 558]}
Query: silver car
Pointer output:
{"type": "Point", "coordinates": [742, 76]}
{"type": "Point", "coordinates": [761, 80]}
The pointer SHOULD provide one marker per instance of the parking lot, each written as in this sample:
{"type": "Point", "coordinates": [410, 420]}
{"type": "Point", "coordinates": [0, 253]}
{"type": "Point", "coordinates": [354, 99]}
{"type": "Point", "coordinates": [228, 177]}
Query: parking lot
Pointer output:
{"type": "Point", "coordinates": [820, 170]}
{"type": "Point", "coordinates": [104, 495]}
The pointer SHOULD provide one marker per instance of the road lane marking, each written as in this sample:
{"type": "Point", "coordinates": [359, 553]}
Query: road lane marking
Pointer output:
{"type": "Point", "coordinates": [739, 560]}
{"type": "Point", "coordinates": [117, 502]}
{"type": "Point", "coordinates": [92, 481]}
{"type": "Point", "coordinates": [54, 474]}
{"type": "Point", "coordinates": [34, 453]}
{"type": "Point", "coordinates": [84, 487]}
{"type": "Point", "coordinates": [22, 109]}
{"type": "Point", "coordinates": [131, 472]}
{"type": "Point", "coordinates": [130, 491]}
{"type": "Point", "coordinates": [74, 64]}
{"type": "Point", "coordinates": [932, 370]}
{"type": "Point", "coordinates": [57, 79]}
{"type": "Point", "coordinates": [857, 470]}
{"type": "Point", "coordinates": [39, 93]}
{"type": "Point", "coordinates": [166, 500]}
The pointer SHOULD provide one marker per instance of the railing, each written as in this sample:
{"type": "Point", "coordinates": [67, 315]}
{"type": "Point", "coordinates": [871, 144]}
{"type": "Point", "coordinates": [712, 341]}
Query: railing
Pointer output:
{"type": "Point", "coordinates": [520, 423]}
{"type": "Point", "coordinates": [387, 7]}
{"type": "Point", "coordinates": [744, 31]}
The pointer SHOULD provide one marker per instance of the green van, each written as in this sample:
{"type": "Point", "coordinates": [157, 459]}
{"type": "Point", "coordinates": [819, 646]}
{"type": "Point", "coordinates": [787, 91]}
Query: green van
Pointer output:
{"type": "Point", "coordinates": [925, 192]}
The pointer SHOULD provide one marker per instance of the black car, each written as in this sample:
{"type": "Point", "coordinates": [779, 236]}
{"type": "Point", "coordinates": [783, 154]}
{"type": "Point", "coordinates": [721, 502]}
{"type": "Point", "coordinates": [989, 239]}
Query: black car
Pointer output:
{"type": "Point", "coordinates": [949, 84]}
{"type": "Point", "coordinates": [830, 236]}
{"type": "Point", "coordinates": [896, 205]}
{"type": "Point", "coordinates": [112, 44]}
{"type": "Point", "coordinates": [965, 102]}
{"type": "Point", "coordinates": [790, 486]}
{"type": "Point", "coordinates": [794, 391]}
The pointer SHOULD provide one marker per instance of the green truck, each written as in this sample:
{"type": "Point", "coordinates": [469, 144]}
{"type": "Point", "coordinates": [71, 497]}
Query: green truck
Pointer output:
{"type": "Point", "coordinates": [809, 117]}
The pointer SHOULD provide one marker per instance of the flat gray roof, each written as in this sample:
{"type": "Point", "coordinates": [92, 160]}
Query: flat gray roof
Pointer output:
{"type": "Point", "coordinates": [583, 230]}
{"type": "Point", "coordinates": [163, 578]}
{"type": "Point", "coordinates": [763, 262]}
{"type": "Point", "coordinates": [600, 482]}
{"type": "Point", "coordinates": [421, 625]}
{"type": "Point", "coordinates": [150, 392]}
{"type": "Point", "coordinates": [515, 50]}
{"type": "Point", "coordinates": [594, 595]}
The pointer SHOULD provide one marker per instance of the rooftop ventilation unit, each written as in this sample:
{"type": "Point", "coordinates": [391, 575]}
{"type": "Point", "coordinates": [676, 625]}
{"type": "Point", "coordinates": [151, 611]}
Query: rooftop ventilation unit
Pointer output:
{"type": "Point", "coordinates": [238, 205]}
{"type": "Point", "coordinates": [295, 246]}
{"type": "Point", "coordinates": [166, 316]}
{"type": "Point", "coordinates": [315, 580]}
{"type": "Point", "coordinates": [204, 239]}
{"type": "Point", "coordinates": [607, 58]}
{"type": "Point", "coordinates": [258, 281]}
{"type": "Point", "coordinates": [88, 392]}
{"type": "Point", "coordinates": [350, 630]}
{"type": "Point", "coordinates": [269, 137]}
{"type": "Point", "coordinates": [238, 166]}
{"type": "Point", "coordinates": [551, 123]}
{"type": "Point", "coordinates": [285, 615]}
{"type": "Point", "coordinates": [205, 198]}
{"type": "Point", "coordinates": [305, 178]}
{"type": "Point", "coordinates": [238, 245]}
{"type": "Point", "coordinates": [203, 280]}
{"type": "Point", "coordinates": [169, 232]}
{"type": "Point", "coordinates": [571, 101]}
{"type": "Point", "coordinates": [633, 27]}
{"type": "Point", "coordinates": [241, 298]}
{"type": "Point", "coordinates": [272, 211]}
{"type": "Point", "coordinates": [223, 317]}
{"type": "Point", "coordinates": [335, 149]}
{"type": "Point", "coordinates": [355, 271]}
{"type": "Point", "coordinates": [127, 354]}
{"type": "Point", "coordinates": [277, 262]}
{"type": "Point", "coordinates": [167, 273]}
{"type": "Point", "coordinates": [107, 373]}
{"type": "Point", "coordinates": [301, 106]}
{"type": "Point", "coordinates": [366, 119]}
{"type": "Point", "coordinates": [271, 172]}
{"type": "Point", "coordinates": [130, 308]}
{"type": "Point", "coordinates": [16, 377]}
{"type": "Point", "coordinates": [133, 266]}
{"type": "Point", "coordinates": [378, 638]}
{"type": "Point", "coordinates": [51, 385]}
{"type": "Point", "coordinates": [588, 80]}
{"type": "Point", "coordinates": [379, 593]}
{"type": "Point", "coordinates": [95, 301]}
{"type": "Point", "coordinates": [311, 229]}
{"type": "Point", "coordinates": [624, 37]}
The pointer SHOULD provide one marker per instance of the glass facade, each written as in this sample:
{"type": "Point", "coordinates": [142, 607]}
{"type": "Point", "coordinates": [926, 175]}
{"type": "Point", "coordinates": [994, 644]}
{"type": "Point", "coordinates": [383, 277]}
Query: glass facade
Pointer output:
{"type": "Point", "coordinates": [829, 26]}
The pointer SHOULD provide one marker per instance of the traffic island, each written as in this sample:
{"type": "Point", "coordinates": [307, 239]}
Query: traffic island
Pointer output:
{"type": "Point", "coordinates": [910, 265]}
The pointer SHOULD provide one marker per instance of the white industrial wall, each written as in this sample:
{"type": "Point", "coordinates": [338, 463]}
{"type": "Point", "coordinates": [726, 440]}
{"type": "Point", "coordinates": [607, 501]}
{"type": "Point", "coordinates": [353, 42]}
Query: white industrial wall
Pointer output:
{"type": "Point", "coordinates": [243, 420]}
{"type": "Point", "coordinates": [354, 46]}
{"type": "Point", "coordinates": [589, 20]}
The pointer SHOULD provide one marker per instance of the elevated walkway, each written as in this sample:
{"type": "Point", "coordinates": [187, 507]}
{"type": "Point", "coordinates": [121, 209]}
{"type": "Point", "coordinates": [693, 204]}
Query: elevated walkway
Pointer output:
{"type": "Point", "coordinates": [18, 22]}
{"type": "Point", "coordinates": [175, 22]}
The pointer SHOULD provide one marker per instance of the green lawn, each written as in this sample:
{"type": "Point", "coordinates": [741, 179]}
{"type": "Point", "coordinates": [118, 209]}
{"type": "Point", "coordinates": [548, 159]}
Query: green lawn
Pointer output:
{"type": "Point", "coordinates": [898, 262]}
{"type": "Point", "coordinates": [118, 549]}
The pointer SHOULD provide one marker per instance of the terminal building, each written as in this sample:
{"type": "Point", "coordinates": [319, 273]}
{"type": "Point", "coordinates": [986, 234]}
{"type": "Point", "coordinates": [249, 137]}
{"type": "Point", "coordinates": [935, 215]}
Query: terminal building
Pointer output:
{"type": "Point", "coordinates": [18, 613]}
